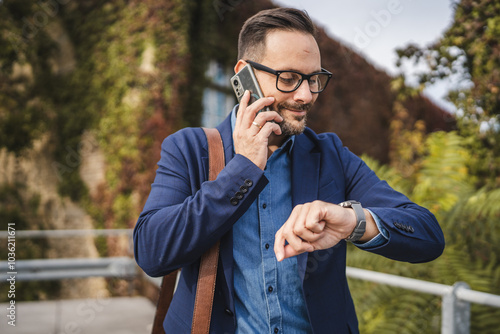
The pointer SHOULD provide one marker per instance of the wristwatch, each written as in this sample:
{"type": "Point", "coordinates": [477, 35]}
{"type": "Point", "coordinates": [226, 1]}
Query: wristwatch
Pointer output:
{"type": "Point", "coordinates": [360, 228]}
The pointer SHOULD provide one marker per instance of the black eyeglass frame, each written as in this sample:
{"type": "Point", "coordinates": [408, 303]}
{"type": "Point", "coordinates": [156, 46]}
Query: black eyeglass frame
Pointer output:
{"type": "Point", "coordinates": [303, 76]}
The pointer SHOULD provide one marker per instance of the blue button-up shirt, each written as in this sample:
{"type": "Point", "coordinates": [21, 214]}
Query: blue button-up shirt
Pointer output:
{"type": "Point", "coordinates": [268, 293]}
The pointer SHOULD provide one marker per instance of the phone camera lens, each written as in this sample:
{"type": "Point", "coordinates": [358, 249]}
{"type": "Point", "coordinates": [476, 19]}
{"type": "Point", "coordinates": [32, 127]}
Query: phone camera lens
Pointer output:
{"type": "Point", "coordinates": [236, 83]}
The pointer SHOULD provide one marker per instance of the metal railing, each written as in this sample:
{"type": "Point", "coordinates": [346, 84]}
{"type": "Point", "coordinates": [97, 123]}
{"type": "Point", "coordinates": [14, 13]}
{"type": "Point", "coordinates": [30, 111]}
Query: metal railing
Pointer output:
{"type": "Point", "coordinates": [456, 298]}
{"type": "Point", "coordinates": [57, 269]}
{"type": "Point", "coordinates": [33, 234]}
{"type": "Point", "coordinates": [455, 310]}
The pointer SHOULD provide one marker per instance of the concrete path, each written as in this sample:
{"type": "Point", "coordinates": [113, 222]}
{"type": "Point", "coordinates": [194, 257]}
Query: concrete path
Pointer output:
{"type": "Point", "coordinates": [120, 315]}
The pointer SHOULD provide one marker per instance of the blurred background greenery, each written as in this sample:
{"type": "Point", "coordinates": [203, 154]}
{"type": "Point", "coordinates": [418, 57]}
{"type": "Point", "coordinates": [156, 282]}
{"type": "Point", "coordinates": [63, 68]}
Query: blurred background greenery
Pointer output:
{"type": "Point", "coordinates": [88, 91]}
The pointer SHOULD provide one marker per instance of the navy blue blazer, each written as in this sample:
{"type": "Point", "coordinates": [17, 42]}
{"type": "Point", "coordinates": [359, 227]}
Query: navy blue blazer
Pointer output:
{"type": "Point", "coordinates": [185, 215]}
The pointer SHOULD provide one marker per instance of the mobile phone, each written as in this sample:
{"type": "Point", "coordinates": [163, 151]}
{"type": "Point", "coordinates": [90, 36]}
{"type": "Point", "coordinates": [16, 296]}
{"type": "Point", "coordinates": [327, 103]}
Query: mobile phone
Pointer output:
{"type": "Point", "coordinates": [244, 80]}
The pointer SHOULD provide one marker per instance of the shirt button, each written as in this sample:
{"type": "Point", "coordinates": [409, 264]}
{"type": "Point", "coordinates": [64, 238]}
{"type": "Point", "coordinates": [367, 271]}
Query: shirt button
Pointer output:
{"type": "Point", "coordinates": [276, 330]}
{"type": "Point", "coordinates": [270, 289]}
{"type": "Point", "coordinates": [264, 205]}
{"type": "Point", "coordinates": [267, 246]}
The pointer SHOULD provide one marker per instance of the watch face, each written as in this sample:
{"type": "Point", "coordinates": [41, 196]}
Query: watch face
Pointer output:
{"type": "Point", "coordinates": [348, 204]}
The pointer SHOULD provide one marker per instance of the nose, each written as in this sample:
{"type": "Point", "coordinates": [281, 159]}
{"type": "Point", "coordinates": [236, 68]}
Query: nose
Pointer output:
{"type": "Point", "coordinates": [303, 93]}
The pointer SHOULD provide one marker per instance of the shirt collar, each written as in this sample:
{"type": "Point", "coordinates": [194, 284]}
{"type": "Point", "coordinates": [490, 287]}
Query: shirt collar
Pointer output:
{"type": "Point", "coordinates": [287, 145]}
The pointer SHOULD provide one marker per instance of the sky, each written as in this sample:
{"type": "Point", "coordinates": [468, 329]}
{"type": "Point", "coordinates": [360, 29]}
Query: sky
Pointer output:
{"type": "Point", "coordinates": [376, 28]}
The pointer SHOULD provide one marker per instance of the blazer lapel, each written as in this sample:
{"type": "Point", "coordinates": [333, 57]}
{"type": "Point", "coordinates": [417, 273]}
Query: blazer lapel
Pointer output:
{"type": "Point", "coordinates": [227, 138]}
{"type": "Point", "coordinates": [305, 181]}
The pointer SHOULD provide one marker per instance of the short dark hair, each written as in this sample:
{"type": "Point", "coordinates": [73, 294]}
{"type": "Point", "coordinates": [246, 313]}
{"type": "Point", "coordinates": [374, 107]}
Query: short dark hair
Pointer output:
{"type": "Point", "coordinates": [252, 38]}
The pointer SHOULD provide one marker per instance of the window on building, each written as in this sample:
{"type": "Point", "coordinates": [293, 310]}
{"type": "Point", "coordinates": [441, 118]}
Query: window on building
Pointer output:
{"type": "Point", "coordinates": [218, 97]}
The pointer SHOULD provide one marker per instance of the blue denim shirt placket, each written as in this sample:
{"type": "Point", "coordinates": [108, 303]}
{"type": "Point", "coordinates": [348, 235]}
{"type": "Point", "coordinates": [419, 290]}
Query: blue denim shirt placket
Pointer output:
{"type": "Point", "coordinates": [267, 232]}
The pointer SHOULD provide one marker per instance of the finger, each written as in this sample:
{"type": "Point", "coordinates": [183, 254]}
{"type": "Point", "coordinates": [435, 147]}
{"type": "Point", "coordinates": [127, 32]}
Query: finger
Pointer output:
{"type": "Point", "coordinates": [279, 245]}
{"type": "Point", "coordinates": [283, 251]}
{"type": "Point", "coordinates": [317, 228]}
{"type": "Point", "coordinates": [299, 246]}
{"type": "Point", "coordinates": [314, 222]}
{"type": "Point", "coordinates": [307, 235]}
{"type": "Point", "coordinates": [268, 116]}
{"type": "Point", "coordinates": [268, 128]}
{"type": "Point", "coordinates": [293, 228]}
{"type": "Point", "coordinates": [279, 239]}
{"type": "Point", "coordinates": [290, 252]}
{"type": "Point", "coordinates": [243, 105]}
{"type": "Point", "coordinates": [268, 119]}
{"type": "Point", "coordinates": [256, 127]}
{"type": "Point", "coordinates": [249, 114]}
{"type": "Point", "coordinates": [310, 226]}
{"type": "Point", "coordinates": [299, 227]}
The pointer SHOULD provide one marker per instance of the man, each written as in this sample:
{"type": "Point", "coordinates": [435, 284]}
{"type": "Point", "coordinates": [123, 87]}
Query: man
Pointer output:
{"type": "Point", "coordinates": [279, 190]}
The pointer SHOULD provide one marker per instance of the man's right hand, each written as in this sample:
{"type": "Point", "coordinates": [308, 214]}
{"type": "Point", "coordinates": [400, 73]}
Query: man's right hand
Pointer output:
{"type": "Point", "coordinates": [252, 130]}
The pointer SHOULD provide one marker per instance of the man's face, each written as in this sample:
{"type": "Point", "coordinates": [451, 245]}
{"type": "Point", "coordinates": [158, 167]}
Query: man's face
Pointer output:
{"type": "Point", "coordinates": [290, 50]}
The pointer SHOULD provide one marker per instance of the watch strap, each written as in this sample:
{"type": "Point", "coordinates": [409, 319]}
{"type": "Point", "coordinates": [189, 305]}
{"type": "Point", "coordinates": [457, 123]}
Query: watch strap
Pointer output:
{"type": "Point", "coordinates": [360, 228]}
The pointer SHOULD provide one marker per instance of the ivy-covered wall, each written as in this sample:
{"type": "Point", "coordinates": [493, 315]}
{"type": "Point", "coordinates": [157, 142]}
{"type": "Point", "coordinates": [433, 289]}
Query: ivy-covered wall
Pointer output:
{"type": "Point", "coordinates": [116, 72]}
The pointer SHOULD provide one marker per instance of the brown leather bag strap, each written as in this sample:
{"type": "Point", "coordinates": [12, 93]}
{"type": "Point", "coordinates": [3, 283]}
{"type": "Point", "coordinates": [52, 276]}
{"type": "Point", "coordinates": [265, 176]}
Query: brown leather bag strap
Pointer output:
{"type": "Point", "coordinates": [216, 159]}
{"type": "Point", "coordinates": [164, 298]}
{"type": "Point", "coordinates": [208, 267]}
{"type": "Point", "coordinates": [205, 288]}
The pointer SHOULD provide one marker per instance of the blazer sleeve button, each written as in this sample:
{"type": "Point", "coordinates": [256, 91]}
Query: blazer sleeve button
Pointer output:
{"type": "Point", "coordinates": [243, 189]}
{"type": "Point", "coordinates": [234, 201]}
{"type": "Point", "coordinates": [238, 195]}
{"type": "Point", "coordinates": [248, 182]}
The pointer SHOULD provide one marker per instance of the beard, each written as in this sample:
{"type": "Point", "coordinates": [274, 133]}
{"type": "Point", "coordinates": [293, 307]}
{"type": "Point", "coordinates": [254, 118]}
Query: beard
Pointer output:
{"type": "Point", "coordinates": [292, 124]}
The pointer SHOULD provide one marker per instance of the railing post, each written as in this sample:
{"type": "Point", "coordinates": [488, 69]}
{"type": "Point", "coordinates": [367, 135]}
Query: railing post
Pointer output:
{"type": "Point", "coordinates": [455, 312]}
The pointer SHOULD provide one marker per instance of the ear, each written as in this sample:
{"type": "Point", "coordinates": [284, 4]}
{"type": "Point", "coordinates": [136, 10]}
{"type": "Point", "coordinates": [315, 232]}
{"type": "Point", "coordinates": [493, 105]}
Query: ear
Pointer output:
{"type": "Point", "coordinates": [239, 65]}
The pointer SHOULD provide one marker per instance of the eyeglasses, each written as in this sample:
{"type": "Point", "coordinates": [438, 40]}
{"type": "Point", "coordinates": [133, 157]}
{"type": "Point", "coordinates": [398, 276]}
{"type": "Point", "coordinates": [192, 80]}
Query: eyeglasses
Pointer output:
{"type": "Point", "coordinates": [289, 81]}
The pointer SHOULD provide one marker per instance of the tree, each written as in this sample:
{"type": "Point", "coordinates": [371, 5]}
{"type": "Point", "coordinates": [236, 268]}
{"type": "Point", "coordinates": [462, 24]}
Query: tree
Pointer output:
{"type": "Point", "coordinates": [469, 52]}
{"type": "Point", "coordinates": [455, 175]}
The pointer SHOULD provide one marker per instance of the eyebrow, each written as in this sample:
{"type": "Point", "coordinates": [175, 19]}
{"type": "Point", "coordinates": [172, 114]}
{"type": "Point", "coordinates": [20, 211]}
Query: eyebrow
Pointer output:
{"type": "Point", "coordinates": [295, 70]}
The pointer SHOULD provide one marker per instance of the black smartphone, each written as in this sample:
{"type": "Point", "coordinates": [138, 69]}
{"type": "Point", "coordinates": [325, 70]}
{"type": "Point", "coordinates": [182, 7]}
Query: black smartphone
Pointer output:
{"type": "Point", "coordinates": [244, 80]}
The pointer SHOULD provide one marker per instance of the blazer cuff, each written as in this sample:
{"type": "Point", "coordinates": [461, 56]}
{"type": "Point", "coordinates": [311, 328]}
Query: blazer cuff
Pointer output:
{"type": "Point", "coordinates": [378, 240]}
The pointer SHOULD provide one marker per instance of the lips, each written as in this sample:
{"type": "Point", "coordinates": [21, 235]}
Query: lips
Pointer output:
{"type": "Point", "coordinates": [297, 112]}
{"type": "Point", "coordinates": [294, 113]}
